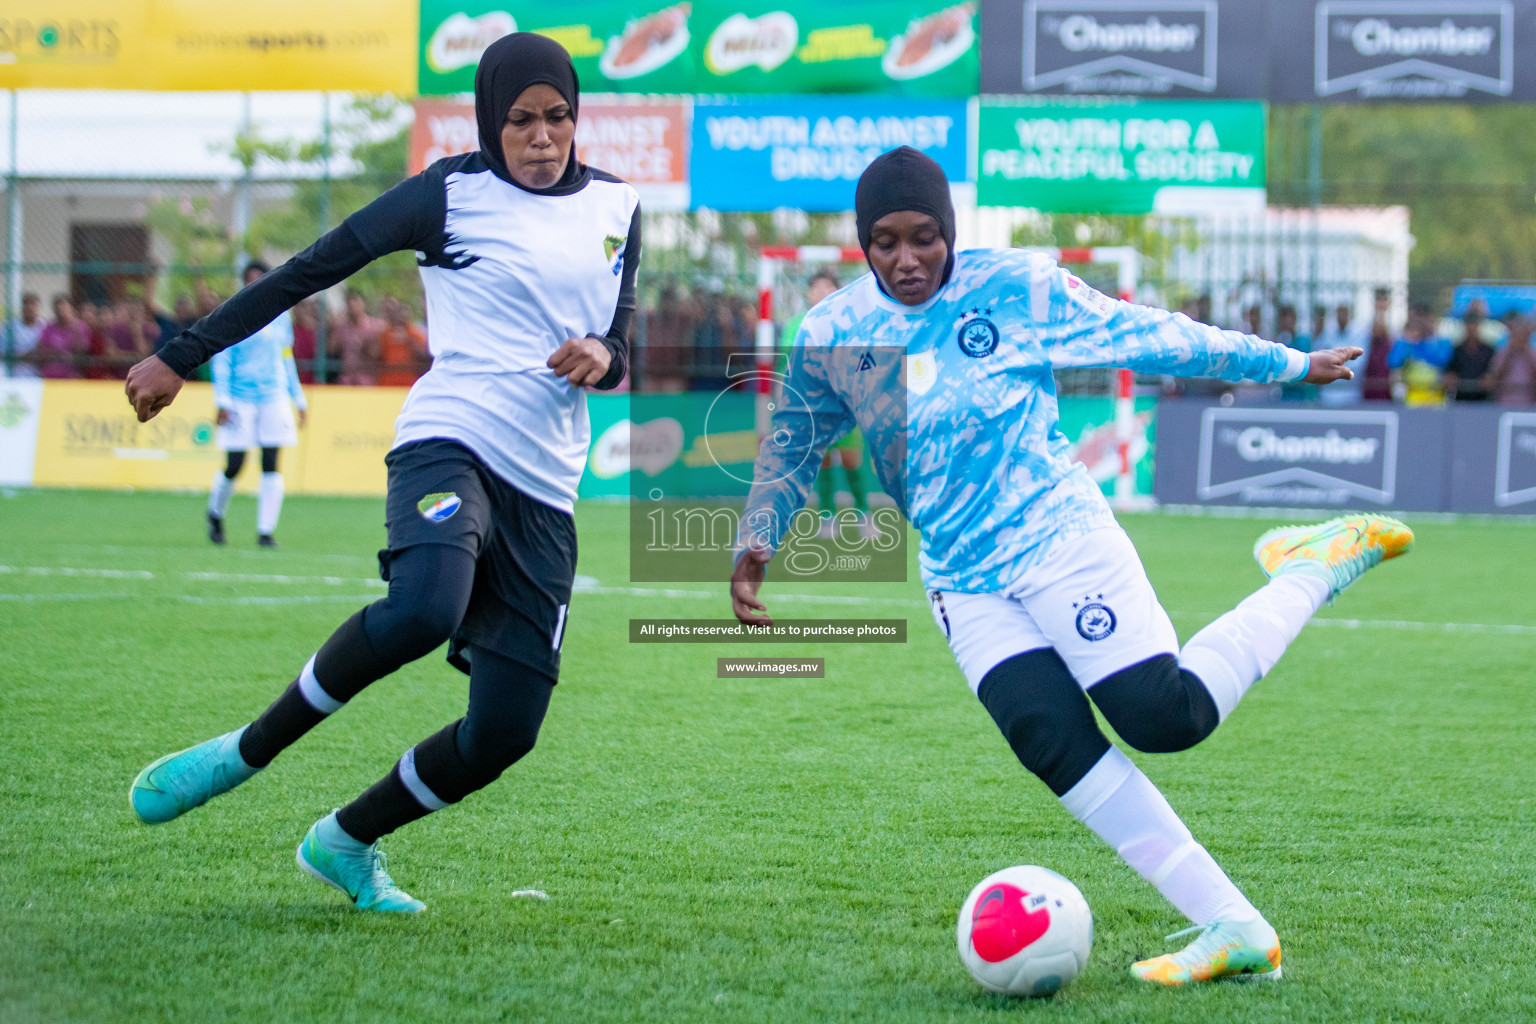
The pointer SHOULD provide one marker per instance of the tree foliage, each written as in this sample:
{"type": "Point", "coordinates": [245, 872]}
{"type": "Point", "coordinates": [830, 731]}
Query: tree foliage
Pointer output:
{"type": "Point", "coordinates": [1467, 173]}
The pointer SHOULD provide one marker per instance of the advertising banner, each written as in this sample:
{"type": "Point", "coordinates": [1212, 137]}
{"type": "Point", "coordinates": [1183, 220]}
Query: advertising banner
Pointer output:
{"type": "Point", "coordinates": [616, 45]}
{"type": "Point", "coordinates": [342, 449]}
{"type": "Point", "coordinates": [807, 152]}
{"type": "Point", "coordinates": [913, 47]}
{"type": "Point", "coordinates": [88, 436]}
{"type": "Point", "coordinates": [1137, 156]}
{"type": "Point", "coordinates": [20, 401]}
{"type": "Point", "coordinates": [352, 45]}
{"type": "Point", "coordinates": [1310, 457]}
{"type": "Point", "coordinates": [1406, 50]}
{"type": "Point", "coordinates": [1493, 460]}
{"type": "Point", "coordinates": [1322, 51]}
{"type": "Point", "coordinates": [1127, 47]}
{"type": "Point", "coordinates": [643, 142]}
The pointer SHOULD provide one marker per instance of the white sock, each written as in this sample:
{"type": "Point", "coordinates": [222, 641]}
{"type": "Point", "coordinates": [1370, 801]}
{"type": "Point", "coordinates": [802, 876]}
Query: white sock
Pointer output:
{"type": "Point", "coordinates": [333, 837]}
{"type": "Point", "coordinates": [218, 496]}
{"type": "Point", "coordinates": [1239, 649]}
{"type": "Point", "coordinates": [269, 503]}
{"type": "Point", "coordinates": [1122, 806]}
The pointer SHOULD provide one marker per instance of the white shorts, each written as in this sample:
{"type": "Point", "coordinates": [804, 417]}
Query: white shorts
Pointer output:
{"type": "Point", "coordinates": [1090, 600]}
{"type": "Point", "coordinates": [267, 425]}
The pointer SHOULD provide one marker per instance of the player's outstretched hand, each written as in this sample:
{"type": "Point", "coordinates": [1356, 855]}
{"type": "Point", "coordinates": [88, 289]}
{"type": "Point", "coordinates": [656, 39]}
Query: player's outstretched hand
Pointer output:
{"type": "Point", "coordinates": [746, 578]}
{"type": "Point", "coordinates": [1328, 365]}
{"type": "Point", "coordinates": [151, 386]}
{"type": "Point", "coordinates": [582, 361]}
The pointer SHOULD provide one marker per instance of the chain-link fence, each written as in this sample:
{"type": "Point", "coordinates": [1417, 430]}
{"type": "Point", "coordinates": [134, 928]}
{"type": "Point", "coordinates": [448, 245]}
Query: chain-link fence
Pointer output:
{"type": "Point", "coordinates": [128, 215]}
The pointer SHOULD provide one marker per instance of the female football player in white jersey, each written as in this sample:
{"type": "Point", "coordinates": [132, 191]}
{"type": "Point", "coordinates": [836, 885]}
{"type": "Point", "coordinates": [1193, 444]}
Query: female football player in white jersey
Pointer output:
{"type": "Point", "coordinates": [944, 360]}
{"type": "Point", "coordinates": [528, 260]}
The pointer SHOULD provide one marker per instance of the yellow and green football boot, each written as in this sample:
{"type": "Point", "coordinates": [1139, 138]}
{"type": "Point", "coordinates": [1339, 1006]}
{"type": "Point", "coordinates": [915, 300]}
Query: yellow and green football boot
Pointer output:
{"type": "Point", "coordinates": [1338, 552]}
{"type": "Point", "coordinates": [1249, 951]}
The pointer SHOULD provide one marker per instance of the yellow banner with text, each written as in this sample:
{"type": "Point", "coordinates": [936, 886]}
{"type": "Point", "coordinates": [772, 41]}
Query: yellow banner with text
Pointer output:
{"type": "Point", "coordinates": [351, 45]}
{"type": "Point", "coordinates": [88, 436]}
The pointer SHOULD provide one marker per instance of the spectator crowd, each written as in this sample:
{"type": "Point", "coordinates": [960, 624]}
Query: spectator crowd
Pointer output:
{"type": "Point", "coordinates": [686, 339]}
{"type": "Point", "coordinates": [1426, 361]}
{"type": "Point", "coordinates": [100, 341]}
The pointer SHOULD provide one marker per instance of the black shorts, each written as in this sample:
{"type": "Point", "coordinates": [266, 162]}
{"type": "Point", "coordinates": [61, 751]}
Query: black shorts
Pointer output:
{"type": "Point", "coordinates": [525, 551]}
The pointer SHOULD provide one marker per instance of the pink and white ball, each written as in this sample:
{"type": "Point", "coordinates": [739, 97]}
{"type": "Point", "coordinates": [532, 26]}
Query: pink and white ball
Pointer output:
{"type": "Point", "coordinates": [1025, 931]}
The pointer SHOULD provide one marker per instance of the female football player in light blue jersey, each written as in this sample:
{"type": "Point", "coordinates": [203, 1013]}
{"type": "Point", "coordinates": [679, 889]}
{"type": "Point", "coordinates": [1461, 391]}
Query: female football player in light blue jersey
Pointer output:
{"type": "Point", "coordinates": [944, 360]}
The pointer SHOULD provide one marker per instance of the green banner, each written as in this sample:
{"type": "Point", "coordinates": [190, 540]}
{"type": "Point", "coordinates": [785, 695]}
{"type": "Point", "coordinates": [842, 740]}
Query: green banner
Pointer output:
{"type": "Point", "coordinates": [616, 45]}
{"type": "Point", "coordinates": [702, 443]}
{"type": "Point", "coordinates": [915, 47]}
{"type": "Point", "coordinates": [911, 47]}
{"type": "Point", "coordinates": [1151, 156]}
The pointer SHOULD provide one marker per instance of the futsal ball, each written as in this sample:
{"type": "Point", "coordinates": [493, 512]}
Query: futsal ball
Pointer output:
{"type": "Point", "coordinates": [1025, 931]}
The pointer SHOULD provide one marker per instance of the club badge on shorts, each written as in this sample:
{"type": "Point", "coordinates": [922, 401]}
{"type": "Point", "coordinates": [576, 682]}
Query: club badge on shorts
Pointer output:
{"type": "Point", "coordinates": [435, 508]}
{"type": "Point", "coordinates": [1095, 621]}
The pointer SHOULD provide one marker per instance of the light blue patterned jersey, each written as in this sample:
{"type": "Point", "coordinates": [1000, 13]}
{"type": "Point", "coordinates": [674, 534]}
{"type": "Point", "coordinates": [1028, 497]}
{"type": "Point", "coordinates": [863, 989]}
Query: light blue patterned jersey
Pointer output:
{"type": "Point", "coordinates": [259, 369]}
{"type": "Point", "coordinates": [958, 406]}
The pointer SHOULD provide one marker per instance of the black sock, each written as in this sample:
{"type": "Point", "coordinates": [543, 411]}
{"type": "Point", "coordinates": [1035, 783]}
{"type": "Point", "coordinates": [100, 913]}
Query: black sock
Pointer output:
{"type": "Point", "coordinates": [383, 807]}
{"type": "Point", "coordinates": [289, 717]}
{"type": "Point", "coordinates": [346, 662]}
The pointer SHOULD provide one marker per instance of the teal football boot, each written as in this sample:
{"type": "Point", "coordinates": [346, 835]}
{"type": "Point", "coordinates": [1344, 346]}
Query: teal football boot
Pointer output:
{"type": "Point", "coordinates": [175, 784]}
{"type": "Point", "coordinates": [361, 874]}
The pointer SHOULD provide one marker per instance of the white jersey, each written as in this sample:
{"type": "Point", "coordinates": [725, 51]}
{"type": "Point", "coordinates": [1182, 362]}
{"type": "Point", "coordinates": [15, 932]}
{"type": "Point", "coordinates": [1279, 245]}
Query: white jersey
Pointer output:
{"type": "Point", "coordinates": [510, 274]}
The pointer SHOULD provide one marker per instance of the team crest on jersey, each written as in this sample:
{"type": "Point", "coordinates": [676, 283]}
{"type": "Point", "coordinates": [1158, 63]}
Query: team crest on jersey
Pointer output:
{"type": "Point", "coordinates": [1095, 620]}
{"type": "Point", "coordinates": [613, 249]}
{"type": "Point", "coordinates": [435, 508]}
{"type": "Point", "coordinates": [978, 335]}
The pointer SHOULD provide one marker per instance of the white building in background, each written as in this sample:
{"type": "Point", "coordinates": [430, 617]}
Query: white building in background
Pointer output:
{"type": "Point", "coordinates": [91, 164]}
{"type": "Point", "coordinates": [1327, 256]}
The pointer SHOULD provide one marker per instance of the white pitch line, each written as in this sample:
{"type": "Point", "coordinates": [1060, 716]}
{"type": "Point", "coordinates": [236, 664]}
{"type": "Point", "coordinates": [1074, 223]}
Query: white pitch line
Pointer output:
{"type": "Point", "coordinates": [246, 577]}
{"type": "Point", "coordinates": [1511, 628]}
{"type": "Point", "coordinates": [287, 599]}
{"type": "Point", "coordinates": [105, 574]}
{"type": "Point", "coordinates": [63, 597]}
{"type": "Point", "coordinates": [1404, 625]}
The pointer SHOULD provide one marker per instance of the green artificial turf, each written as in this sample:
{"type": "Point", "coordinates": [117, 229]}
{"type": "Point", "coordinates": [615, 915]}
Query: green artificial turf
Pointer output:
{"type": "Point", "coordinates": [733, 850]}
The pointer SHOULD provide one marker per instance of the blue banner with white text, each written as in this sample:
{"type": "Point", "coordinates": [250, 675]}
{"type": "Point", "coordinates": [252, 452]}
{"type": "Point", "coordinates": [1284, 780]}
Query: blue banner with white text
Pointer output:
{"type": "Point", "coordinates": [807, 152]}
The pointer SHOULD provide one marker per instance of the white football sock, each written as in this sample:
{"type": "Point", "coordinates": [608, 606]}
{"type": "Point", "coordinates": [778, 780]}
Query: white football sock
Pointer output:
{"type": "Point", "coordinates": [333, 837]}
{"type": "Point", "coordinates": [1122, 806]}
{"type": "Point", "coordinates": [1239, 649]}
{"type": "Point", "coordinates": [218, 496]}
{"type": "Point", "coordinates": [269, 503]}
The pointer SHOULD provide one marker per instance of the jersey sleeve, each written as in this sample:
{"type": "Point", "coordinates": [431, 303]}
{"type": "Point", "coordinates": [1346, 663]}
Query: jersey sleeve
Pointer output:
{"type": "Point", "coordinates": [290, 368]}
{"type": "Point", "coordinates": [1081, 327]}
{"type": "Point", "coordinates": [809, 418]}
{"type": "Point", "coordinates": [408, 216]}
{"type": "Point", "coordinates": [616, 341]}
{"type": "Point", "coordinates": [222, 397]}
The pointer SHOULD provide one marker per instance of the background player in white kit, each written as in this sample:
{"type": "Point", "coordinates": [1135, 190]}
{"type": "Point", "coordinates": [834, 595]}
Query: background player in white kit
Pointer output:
{"type": "Point", "coordinates": [945, 362]}
{"type": "Point", "coordinates": [256, 390]}
{"type": "Point", "coordinates": [528, 259]}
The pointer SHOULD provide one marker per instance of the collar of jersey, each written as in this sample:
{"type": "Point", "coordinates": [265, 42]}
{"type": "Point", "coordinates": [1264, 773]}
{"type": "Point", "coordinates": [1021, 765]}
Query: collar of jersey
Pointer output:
{"type": "Point", "coordinates": [889, 304]}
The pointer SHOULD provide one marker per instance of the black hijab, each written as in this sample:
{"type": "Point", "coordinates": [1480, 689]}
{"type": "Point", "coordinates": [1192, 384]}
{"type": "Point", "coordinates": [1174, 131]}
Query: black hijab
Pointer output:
{"type": "Point", "coordinates": [508, 66]}
{"type": "Point", "coordinates": [904, 179]}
